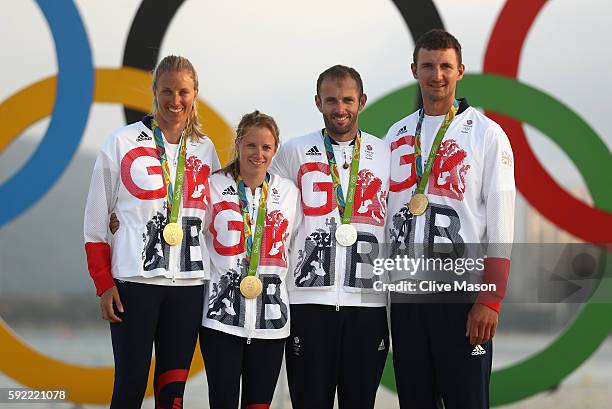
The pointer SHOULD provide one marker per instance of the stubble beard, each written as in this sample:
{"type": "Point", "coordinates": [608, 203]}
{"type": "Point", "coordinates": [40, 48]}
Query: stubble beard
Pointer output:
{"type": "Point", "coordinates": [339, 131]}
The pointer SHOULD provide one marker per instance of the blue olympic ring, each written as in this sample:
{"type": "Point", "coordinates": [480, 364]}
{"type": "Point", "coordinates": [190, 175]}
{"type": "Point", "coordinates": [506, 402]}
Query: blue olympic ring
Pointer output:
{"type": "Point", "coordinates": [75, 86]}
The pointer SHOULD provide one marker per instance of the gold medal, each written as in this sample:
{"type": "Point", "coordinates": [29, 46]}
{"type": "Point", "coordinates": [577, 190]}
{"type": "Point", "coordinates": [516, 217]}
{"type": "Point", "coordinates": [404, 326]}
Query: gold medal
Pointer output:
{"type": "Point", "coordinates": [173, 234]}
{"type": "Point", "coordinates": [418, 204]}
{"type": "Point", "coordinates": [251, 287]}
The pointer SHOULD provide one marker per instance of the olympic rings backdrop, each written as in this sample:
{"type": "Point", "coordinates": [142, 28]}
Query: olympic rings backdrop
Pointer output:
{"type": "Point", "coordinates": [67, 98]}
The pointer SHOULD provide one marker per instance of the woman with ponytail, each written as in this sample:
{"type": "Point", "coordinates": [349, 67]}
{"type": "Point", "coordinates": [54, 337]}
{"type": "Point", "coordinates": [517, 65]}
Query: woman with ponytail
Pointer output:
{"type": "Point", "coordinates": [154, 175]}
{"type": "Point", "coordinates": [246, 315]}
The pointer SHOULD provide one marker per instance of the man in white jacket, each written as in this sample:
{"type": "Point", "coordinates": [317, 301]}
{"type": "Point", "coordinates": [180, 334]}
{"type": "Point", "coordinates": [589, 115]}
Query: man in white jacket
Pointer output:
{"type": "Point", "coordinates": [339, 335]}
{"type": "Point", "coordinates": [451, 198]}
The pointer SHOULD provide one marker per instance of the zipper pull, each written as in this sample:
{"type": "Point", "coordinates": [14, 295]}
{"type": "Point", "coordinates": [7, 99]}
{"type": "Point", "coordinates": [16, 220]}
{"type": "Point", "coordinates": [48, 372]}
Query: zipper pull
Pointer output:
{"type": "Point", "coordinates": [249, 341]}
{"type": "Point", "coordinates": [337, 307]}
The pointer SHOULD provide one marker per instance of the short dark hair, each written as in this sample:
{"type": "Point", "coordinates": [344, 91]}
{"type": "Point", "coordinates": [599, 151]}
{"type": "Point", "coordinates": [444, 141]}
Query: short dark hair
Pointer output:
{"type": "Point", "coordinates": [436, 39]}
{"type": "Point", "coordinates": [340, 71]}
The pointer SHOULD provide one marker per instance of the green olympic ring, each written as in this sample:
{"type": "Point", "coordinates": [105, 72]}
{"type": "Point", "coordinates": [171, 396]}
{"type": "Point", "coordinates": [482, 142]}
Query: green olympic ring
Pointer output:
{"type": "Point", "coordinates": [593, 324]}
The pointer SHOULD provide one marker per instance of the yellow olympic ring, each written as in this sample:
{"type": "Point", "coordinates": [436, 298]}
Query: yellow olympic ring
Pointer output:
{"type": "Point", "coordinates": [132, 88]}
{"type": "Point", "coordinates": [128, 86]}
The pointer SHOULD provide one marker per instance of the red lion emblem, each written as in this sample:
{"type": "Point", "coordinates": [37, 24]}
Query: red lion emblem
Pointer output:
{"type": "Point", "coordinates": [448, 174]}
{"type": "Point", "coordinates": [274, 240]}
{"type": "Point", "coordinates": [196, 192]}
{"type": "Point", "coordinates": [370, 200]}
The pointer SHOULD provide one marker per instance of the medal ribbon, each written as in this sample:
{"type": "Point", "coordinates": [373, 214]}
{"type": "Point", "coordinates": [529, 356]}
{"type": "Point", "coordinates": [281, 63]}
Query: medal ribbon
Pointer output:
{"type": "Point", "coordinates": [173, 195]}
{"type": "Point", "coordinates": [253, 245]}
{"type": "Point", "coordinates": [423, 175]}
{"type": "Point", "coordinates": [345, 207]}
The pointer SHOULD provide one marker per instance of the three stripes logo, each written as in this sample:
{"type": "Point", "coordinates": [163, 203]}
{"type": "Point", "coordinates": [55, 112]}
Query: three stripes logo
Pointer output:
{"type": "Point", "coordinates": [143, 137]}
{"type": "Point", "coordinates": [401, 131]}
{"type": "Point", "coordinates": [478, 350]}
{"type": "Point", "coordinates": [314, 151]}
{"type": "Point", "coordinates": [229, 191]}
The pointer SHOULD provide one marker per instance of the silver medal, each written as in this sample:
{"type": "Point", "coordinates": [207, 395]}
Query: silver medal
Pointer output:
{"type": "Point", "coordinates": [346, 235]}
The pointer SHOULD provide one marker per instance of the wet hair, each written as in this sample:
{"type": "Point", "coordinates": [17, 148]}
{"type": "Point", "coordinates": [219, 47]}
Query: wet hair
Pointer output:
{"type": "Point", "coordinates": [248, 121]}
{"type": "Point", "coordinates": [436, 39]}
{"type": "Point", "coordinates": [340, 71]}
{"type": "Point", "coordinates": [174, 63]}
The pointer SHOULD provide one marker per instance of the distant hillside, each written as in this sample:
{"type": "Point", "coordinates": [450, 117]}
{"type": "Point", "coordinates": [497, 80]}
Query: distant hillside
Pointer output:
{"type": "Point", "coordinates": [41, 252]}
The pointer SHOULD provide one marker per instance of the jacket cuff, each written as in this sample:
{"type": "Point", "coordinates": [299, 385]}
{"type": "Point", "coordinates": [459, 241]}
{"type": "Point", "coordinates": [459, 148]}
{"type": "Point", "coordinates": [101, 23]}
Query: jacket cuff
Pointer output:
{"type": "Point", "coordinates": [99, 266]}
{"type": "Point", "coordinates": [496, 271]}
{"type": "Point", "coordinates": [494, 306]}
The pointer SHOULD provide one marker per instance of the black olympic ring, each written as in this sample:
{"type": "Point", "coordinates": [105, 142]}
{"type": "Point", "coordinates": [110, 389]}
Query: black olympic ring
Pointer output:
{"type": "Point", "coordinates": [153, 18]}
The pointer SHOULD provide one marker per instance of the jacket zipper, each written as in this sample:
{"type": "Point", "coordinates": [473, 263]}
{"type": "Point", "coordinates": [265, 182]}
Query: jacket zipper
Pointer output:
{"type": "Point", "coordinates": [252, 314]}
{"type": "Point", "coordinates": [173, 254]}
{"type": "Point", "coordinates": [338, 274]}
{"type": "Point", "coordinates": [251, 302]}
{"type": "Point", "coordinates": [342, 149]}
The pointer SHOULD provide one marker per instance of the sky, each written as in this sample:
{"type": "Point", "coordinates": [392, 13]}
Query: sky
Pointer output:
{"type": "Point", "coordinates": [267, 55]}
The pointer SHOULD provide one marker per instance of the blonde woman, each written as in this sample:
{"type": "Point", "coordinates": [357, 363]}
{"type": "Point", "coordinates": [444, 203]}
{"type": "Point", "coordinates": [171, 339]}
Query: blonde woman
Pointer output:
{"type": "Point", "coordinates": [246, 316]}
{"type": "Point", "coordinates": [153, 175]}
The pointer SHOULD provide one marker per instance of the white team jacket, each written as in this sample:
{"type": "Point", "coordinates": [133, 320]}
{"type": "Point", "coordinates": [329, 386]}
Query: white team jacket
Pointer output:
{"type": "Point", "coordinates": [470, 189]}
{"type": "Point", "coordinates": [324, 272]}
{"type": "Point", "coordinates": [127, 179]}
{"type": "Point", "coordinates": [226, 309]}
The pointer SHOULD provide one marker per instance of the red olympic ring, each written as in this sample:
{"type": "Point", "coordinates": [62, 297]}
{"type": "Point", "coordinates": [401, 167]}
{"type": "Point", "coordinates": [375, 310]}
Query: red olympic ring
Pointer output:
{"type": "Point", "coordinates": [502, 57]}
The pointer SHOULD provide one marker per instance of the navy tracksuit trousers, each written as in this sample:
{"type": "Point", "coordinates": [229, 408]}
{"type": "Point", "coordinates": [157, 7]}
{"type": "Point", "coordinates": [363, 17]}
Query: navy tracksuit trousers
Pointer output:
{"type": "Point", "coordinates": [433, 359]}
